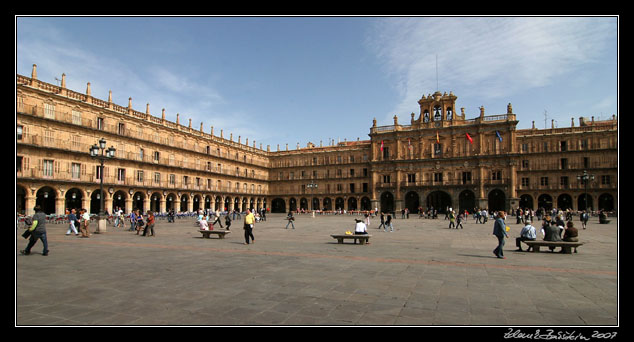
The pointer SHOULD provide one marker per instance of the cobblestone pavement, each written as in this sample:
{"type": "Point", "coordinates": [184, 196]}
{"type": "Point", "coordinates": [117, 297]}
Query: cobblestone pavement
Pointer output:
{"type": "Point", "coordinates": [421, 274]}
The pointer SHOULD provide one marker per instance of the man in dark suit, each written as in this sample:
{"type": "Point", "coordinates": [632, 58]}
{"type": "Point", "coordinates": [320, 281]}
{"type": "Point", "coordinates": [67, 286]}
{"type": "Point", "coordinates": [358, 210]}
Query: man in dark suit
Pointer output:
{"type": "Point", "coordinates": [499, 230]}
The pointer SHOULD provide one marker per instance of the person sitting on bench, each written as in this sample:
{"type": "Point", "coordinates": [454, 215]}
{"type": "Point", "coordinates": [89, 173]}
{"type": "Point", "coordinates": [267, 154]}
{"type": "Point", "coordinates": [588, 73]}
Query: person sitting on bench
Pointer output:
{"type": "Point", "coordinates": [528, 233]}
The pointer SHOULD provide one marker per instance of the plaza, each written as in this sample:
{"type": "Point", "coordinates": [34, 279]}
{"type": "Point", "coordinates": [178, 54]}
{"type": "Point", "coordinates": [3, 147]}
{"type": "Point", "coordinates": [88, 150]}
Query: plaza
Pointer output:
{"type": "Point", "coordinates": [421, 274]}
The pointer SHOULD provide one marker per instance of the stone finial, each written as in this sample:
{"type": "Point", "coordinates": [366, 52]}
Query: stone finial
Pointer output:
{"type": "Point", "coordinates": [212, 131]}
{"type": "Point", "coordinates": [374, 122]}
{"type": "Point", "coordinates": [129, 102]}
{"type": "Point", "coordinates": [147, 108]}
{"type": "Point", "coordinates": [395, 120]}
{"type": "Point", "coordinates": [34, 72]}
{"type": "Point", "coordinates": [509, 109]}
{"type": "Point", "coordinates": [109, 96]}
{"type": "Point", "coordinates": [190, 123]}
{"type": "Point", "coordinates": [572, 122]}
{"type": "Point", "coordinates": [201, 127]}
{"type": "Point", "coordinates": [533, 124]}
{"type": "Point", "coordinates": [482, 111]}
{"type": "Point", "coordinates": [163, 114]}
{"type": "Point", "coordinates": [178, 119]}
{"type": "Point", "coordinates": [63, 81]}
{"type": "Point", "coordinates": [88, 91]}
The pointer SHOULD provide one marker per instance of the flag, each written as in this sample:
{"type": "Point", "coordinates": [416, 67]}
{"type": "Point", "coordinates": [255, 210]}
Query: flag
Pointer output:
{"type": "Point", "coordinates": [381, 145]}
{"type": "Point", "coordinates": [437, 138]}
{"type": "Point", "coordinates": [409, 143]}
{"type": "Point", "coordinates": [469, 138]}
{"type": "Point", "coordinates": [497, 134]}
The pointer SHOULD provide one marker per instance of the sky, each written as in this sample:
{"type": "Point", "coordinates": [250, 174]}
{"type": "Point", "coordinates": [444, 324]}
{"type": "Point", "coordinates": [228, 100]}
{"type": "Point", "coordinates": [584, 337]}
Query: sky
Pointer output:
{"type": "Point", "coordinates": [290, 80]}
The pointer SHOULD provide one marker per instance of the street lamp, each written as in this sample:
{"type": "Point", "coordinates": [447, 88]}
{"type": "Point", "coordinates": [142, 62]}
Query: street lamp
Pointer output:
{"type": "Point", "coordinates": [103, 156]}
{"type": "Point", "coordinates": [585, 178]}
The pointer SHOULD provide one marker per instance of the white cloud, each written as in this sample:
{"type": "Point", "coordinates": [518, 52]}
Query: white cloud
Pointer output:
{"type": "Point", "coordinates": [486, 57]}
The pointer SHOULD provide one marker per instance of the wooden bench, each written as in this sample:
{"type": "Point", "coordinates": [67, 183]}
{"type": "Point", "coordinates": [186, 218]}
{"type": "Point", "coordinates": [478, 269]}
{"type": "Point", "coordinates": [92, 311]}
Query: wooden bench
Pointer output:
{"type": "Point", "coordinates": [363, 238]}
{"type": "Point", "coordinates": [566, 247]}
{"type": "Point", "coordinates": [221, 233]}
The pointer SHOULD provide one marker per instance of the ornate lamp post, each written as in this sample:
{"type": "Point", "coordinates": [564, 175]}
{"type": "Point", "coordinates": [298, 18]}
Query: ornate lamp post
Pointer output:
{"type": "Point", "coordinates": [585, 178]}
{"type": "Point", "coordinates": [103, 156]}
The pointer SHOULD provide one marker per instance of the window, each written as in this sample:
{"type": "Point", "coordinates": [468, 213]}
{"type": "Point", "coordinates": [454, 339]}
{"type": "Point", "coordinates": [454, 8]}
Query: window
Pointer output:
{"type": "Point", "coordinates": [98, 172]}
{"type": "Point", "coordinates": [352, 188]}
{"type": "Point", "coordinates": [386, 152]}
{"type": "Point", "coordinates": [100, 124]}
{"type": "Point", "coordinates": [386, 179]}
{"type": "Point", "coordinates": [172, 179]}
{"type": "Point", "coordinates": [121, 129]}
{"type": "Point", "coordinates": [605, 179]}
{"type": "Point", "coordinates": [141, 153]}
{"type": "Point", "coordinates": [564, 163]}
{"type": "Point", "coordinates": [48, 168]}
{"type": "Point", "coordinates": [411, 178]}
{"type": "Point", "coordinates": [563, 146]}
{"type": "Point", "coordinates": [76, 117]}
{"type": "Point", "coordinates": [185, 180]}
{"type": "Point", "coordinates": [49, 111]}
{"type": "Point", "coordinates": [543, 181]}
{"type": "Point", "coordinates": [438, 177]}
{"type": "Point", "coordinates": [524, 164]}
{"type": "Point", "coordinates": [496, 175]}
{"type": "Point", "coordinates": [121, 175]}
{"type": "Point", "coordinates": [19, 131]}
{"type": "Point", "coordinates": [437, 149]}
{"type": "Point", "coordinates": [563, 181]}
{"type": "Point", "coordinates": [75, 170]}
{"type": "Point", "coordinates": [525, 182]}
{"type": "Point", "coordinates": [139, 176]}
{"type": "Point", "coordinates": [351, 172]}
{"type": "Point", "coordinates": [18, 163]}
{"type": "Point", "coordinates": [466, 177]}
{"type": "Point", "coordinates": [157, 178]}
{"type": "Point", "coordinates": [157, 156]}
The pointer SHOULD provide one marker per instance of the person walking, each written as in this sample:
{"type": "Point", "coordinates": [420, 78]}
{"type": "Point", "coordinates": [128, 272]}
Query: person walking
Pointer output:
{"type": "Point", "coordinates": [72, 217]}
{"type": "Point", "coordinates": [584, 219]}
{"type": "Point", "coordinates": [37, 231]}
{"type": "Point", "coordinates": [150, 223]}
{"type": "Point", "coordinates": [499, 230]}
{"type": "Point", "coordinates": [452, 220]}
{"type": "Point", "coordinates": [382, 221]}
{"type": "Point", "coordinates": [290, 219]}
{"type": "Point", "coordinates": [85, 224]}
{"type": "Point", "coordinates": [388, 223]}
{"type": "Point", "coordinates": [249, 221]}
{"type": "Point", "coordinates": [459, 220]}
{"type": "Point", "coordinates": [227, 222]}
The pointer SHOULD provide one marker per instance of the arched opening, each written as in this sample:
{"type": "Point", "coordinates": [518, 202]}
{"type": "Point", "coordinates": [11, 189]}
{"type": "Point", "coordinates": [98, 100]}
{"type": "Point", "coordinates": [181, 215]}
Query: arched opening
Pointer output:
{"type": "Point", "coordinates": [387, 202]}
{"type": "Point", "coordinates": [545, 201]}
{"type": "Point", "coordinates": [439, 200]}
{"type": "Point", "coordinates": [466, 201]}
{"type": "Point", "coordinates": [278, 205]}
{"type": "Point", "coordinates": [118, 200]}
{"type": "Point", "coordinates": [366, 204]}
{"type": "Point", "coordinates": [339, 203]}
{"type": "Point", "coordinates": [581, 202]}
{"type": "Point", "coordinates": [45, 198]}
{"type": "Point", "coordinates": [497, 200]}
{"type": "Point", "coordinates": [564, 201]}
{"type": "Point", "coordinates": [73, 199]}
{"type": "Point", "coordinates": [352, 203]}
{"type": "Point", "coordinates": [412, 201]}
{"type": "Point", "coordinates": [606, 202]}
{"type": "Point", "coordinates": [526, 201]}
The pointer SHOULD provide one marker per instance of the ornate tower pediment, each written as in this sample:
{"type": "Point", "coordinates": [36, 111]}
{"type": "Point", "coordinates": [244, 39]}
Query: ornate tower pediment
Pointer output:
{"type": "Point", "coordinates": [437, 108]}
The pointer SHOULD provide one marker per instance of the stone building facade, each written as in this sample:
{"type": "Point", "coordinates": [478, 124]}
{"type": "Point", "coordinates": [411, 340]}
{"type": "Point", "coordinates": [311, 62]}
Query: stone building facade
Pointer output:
{"type": "Point", "coordinates": [440, 159]}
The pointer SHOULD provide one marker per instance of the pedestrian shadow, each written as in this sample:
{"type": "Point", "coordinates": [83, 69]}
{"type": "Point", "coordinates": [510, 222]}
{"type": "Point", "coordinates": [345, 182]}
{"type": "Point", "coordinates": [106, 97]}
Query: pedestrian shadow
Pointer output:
{"type": "Point", "coordinates": [477, 256]}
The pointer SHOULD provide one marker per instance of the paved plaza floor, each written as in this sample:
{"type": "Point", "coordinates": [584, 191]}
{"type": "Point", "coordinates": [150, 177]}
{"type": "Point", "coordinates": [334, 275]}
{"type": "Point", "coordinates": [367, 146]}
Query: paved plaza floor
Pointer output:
{"type": "Point", "coordinates": [421, 274]}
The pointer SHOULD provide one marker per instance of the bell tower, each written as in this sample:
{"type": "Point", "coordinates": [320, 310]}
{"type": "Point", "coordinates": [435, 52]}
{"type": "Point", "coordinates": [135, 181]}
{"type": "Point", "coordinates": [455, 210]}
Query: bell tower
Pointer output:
{"type": "Point", "coordinates": [438, 108]}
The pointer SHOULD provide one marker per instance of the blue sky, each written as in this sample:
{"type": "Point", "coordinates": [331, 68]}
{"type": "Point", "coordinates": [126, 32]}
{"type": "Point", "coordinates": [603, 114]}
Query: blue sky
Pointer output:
{"type": "Point", "coordinates": [280, 80]}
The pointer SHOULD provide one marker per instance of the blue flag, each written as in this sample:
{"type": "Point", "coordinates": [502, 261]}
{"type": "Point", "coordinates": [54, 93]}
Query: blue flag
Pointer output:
{"type": "Point", "coordinates": [497, 133]}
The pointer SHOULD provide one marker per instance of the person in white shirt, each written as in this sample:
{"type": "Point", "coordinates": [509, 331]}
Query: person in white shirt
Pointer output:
{"type": "Point", "coordinates": [528, 233]}
{"type": "Point", "coordinates": [360, 227]}
{"type": "Point", "coordinates": [203, 223]}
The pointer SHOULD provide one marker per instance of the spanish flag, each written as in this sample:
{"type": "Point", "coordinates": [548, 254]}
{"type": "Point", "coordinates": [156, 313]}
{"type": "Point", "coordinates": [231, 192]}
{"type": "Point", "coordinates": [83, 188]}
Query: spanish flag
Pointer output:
{"type": "Point", "coordinates": [437, 138]}
{"type": "Point", "coordinates": [469, 138]}
{"type": "Point", "coordinates": [381, 145]}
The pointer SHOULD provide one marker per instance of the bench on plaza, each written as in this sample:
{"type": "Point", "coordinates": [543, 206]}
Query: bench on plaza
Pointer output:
{"type": "Point", "coordinates": [566, 247]}
{"type": "Point", "coordinates": [363, 238]}
{"type": "Point", "coordinates": [221, 233]}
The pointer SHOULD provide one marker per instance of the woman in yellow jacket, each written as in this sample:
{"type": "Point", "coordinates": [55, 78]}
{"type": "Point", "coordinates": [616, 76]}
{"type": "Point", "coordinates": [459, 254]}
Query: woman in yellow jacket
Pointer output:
{"type": "Point", "coordinates": [249, 221]}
